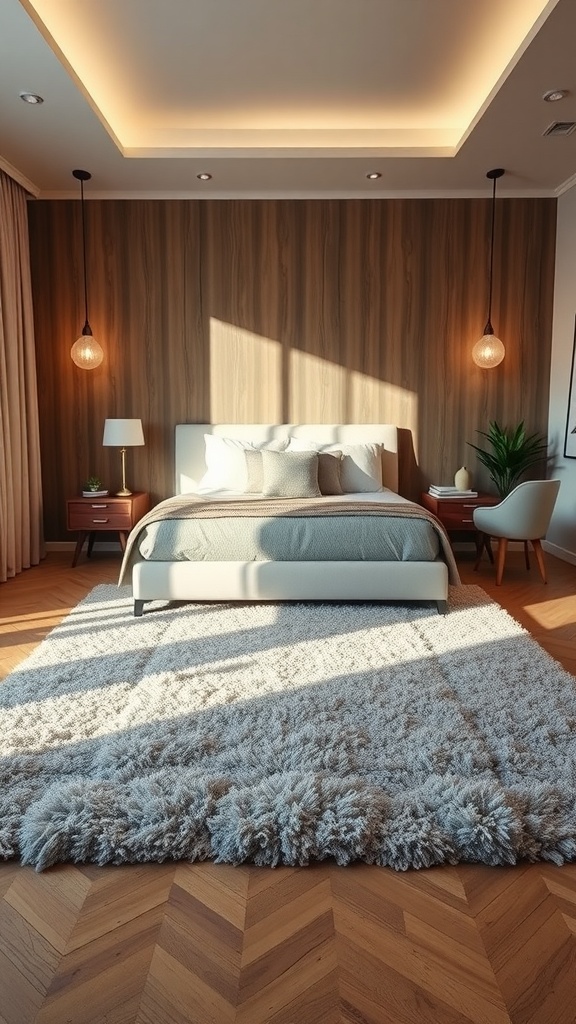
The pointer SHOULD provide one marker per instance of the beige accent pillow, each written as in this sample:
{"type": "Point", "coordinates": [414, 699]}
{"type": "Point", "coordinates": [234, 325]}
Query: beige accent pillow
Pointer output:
{"type": "Point", "coordinates": [255, 472]}
{"type": "Point", "coordinates": [290, 474]}
{"type": "Point", "coordinates": [329, 469]}
{"type": "Point", "coordinates": [329, 464]}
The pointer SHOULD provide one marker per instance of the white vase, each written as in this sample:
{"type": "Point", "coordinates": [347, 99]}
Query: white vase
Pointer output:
{"type": "Point", "coordinates": [462, 479]}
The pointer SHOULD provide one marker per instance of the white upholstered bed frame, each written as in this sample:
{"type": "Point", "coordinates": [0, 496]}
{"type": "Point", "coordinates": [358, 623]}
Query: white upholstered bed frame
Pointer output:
{"type": "Point", "coordinates": [273, 581]}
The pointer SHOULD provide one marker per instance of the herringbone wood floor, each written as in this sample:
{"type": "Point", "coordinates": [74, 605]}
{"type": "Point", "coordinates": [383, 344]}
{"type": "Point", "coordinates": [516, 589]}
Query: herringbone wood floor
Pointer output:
{"type": "Point", "coordinates": [212, 944]}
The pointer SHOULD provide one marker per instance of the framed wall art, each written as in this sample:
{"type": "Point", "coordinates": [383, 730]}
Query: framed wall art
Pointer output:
{"type": "Point", "coordinates": [570, 438]}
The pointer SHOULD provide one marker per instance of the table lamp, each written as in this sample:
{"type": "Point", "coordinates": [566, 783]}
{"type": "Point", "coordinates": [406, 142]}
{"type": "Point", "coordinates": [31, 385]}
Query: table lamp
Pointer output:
{"type": "Point", "coordinates": [123, 434]}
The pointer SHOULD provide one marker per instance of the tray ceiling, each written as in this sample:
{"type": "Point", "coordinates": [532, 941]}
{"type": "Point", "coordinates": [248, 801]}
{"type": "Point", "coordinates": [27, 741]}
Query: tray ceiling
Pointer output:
{"type": "Point", "coordinates": [298, 99]}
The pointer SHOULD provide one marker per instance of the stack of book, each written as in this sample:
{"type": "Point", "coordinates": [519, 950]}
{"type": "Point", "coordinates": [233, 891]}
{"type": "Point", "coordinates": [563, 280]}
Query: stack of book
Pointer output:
{"type": "Point", "coordinates": [438, 491]}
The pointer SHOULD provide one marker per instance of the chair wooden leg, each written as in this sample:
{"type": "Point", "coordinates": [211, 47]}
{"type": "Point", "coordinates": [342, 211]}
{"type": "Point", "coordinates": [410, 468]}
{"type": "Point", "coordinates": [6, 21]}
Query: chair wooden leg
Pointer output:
{"type": "Point", "coordinates": [536, 544]}
{"type": "Point", "coordinates": [526, 555]}
{"type": "Point", "coordinates": [501, 558]}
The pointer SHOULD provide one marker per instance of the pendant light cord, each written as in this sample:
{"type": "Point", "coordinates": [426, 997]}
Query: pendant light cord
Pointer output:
{"type": "Point", "coordinates": [86, 329]}
{"type": "Point", "coordinates": [493, 175]}
{"type": "Point", "coordinates": [491, 252]}
{"type": "Point", "coordinates": [83, 176]}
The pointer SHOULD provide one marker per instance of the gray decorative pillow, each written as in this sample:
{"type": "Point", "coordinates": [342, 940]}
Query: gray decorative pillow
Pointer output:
{"type": "Point", "coordinates": [329, 469]}
{"type": "Point", "coordinates": [290, 474]}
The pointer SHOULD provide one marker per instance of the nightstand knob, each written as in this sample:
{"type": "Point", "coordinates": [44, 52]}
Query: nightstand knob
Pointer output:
{"type": "Point", "coordinates": [99, 520]}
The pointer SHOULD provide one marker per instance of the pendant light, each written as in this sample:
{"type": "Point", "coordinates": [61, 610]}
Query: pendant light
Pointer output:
{"type": "Point", "coordinates": [489, 351]}
{"type": "Point", "coordinates": [85, 352]}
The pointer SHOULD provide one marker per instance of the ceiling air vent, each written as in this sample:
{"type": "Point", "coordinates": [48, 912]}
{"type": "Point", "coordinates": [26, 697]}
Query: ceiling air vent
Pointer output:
{"type": "Point", "coordinates": [560, 128]}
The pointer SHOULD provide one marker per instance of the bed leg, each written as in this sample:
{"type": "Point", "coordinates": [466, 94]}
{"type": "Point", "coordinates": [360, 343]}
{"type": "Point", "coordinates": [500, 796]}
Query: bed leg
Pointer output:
{"type": "Point", "coordinates": [138, 608]}
{"type": "Point", "coordinates": [442, 607]}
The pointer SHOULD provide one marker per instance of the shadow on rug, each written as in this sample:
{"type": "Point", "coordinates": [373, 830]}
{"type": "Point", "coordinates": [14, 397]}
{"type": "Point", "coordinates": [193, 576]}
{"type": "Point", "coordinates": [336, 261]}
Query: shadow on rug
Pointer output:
{"type": "Point", "coordinates": [286, 733]}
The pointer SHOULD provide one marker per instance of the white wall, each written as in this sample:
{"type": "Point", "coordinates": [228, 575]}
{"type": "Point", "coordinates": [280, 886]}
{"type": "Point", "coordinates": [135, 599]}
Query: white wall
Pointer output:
{"type": "Point", "coordinates": [561, 536]}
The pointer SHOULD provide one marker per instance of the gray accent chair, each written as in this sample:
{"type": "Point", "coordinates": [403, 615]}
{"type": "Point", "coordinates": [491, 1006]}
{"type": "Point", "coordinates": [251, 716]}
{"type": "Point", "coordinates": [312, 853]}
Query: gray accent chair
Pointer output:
{"type": "Point", "coordinates": [523, 515]}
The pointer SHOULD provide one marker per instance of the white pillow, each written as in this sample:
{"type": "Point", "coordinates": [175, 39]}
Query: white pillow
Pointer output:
{"type": "Point", "coordinates": [226, 463]}
{"type": "Point", "coordinates": [361, 469]}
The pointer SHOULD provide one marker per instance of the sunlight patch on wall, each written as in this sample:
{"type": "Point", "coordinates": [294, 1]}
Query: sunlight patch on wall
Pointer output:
{"type": "Point", "coordinates": [245, 376]}
{"type": "Point", "coordinates": [317, 389]}
{"type": "Point", "coordinates": [247, 386]}
{"type": "Point", "coordinates": [321, 391]}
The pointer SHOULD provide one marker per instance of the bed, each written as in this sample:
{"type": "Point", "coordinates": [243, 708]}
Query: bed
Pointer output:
{"type": "Point", "coordinates": [160, 572]}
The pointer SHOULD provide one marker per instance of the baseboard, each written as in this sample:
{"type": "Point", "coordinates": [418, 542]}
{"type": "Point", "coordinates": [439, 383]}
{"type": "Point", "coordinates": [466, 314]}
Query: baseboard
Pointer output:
{"type": "Point", "coordinates": [69, 545]}
{"type": "Point", "coordinates": [558, 552]}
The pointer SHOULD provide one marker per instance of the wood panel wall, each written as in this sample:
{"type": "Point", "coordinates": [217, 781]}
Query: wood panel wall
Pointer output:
{"type": "Point", "coordinates": [286, 311]}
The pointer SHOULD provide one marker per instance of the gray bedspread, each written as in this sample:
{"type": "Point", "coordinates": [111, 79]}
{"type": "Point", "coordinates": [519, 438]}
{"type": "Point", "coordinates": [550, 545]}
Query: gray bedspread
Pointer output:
{"type": "Point", "coordinates": [321, 538]}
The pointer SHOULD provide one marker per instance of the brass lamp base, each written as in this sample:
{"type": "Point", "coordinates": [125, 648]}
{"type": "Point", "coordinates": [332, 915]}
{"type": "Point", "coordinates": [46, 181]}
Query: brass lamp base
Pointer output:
{"type": "Point", "coordinates": [123, 492]}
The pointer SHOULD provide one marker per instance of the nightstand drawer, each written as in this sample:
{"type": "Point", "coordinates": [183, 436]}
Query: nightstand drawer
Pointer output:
{"type": "Point", "coordinates": [110, 518]}
{"type": "Point", "coordinates": [458, 514]}
{"type": "Point", "coordinates": [98, 505]}
{"type": "Point", "coordinates": [458, 520]}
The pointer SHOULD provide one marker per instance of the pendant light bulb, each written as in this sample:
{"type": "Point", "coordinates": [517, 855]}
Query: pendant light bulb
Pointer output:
{"type": "Point", "coordinates": [86, 352]}
{"type": "Point", "coordinates": [489, 351]}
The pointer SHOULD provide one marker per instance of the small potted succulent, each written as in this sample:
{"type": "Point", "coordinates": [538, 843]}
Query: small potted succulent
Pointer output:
{"type": "Point", "coordinates": [93, 488]}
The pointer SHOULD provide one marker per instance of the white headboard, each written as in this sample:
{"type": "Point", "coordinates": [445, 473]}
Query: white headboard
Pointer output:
{"type": "Point", "coordinates": [189, 452]}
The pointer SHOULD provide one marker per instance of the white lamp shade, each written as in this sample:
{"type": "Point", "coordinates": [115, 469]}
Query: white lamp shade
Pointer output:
{"type": "Point", "coordinates": [488, 352]}
{"type": "Point", "coordinates": [123, 433]}
{"type": "Point", "coordinates": [86, 352]}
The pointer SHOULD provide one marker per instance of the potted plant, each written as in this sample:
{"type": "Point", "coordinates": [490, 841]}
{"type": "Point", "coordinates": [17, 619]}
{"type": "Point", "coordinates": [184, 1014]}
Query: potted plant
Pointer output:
{"type": "Point", "coordinates": [511, 452]}
{"type": "Point", "coordinates": [93, 488]}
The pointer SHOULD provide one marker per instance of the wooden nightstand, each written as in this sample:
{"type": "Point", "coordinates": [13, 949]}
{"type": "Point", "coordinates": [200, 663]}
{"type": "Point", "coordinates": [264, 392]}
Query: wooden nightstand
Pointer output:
{"type": "Point", "coordinates": [90, 515]}
{"type": "Point", "coordinates": [456, 515]}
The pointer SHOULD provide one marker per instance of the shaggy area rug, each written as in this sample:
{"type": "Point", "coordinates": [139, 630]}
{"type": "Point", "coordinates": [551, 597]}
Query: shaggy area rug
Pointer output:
{"type": "Point", "coordinates": [286, 733]}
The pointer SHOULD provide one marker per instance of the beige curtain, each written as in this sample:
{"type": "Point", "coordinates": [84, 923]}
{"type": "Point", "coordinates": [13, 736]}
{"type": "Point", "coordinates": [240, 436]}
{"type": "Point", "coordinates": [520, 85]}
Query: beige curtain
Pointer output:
{"type": "Point", "coordinates": [21, 532]}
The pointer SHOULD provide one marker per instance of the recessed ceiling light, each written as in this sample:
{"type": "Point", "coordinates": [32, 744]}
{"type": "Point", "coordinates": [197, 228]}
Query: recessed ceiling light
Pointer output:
{"type": "Point", "coordinates": [374, 174]}
{"type": "Point", "coordinates": [204, 176]}
{"type": "Point", "coordinates": [553, 95]}
{"type": "Point", "coordinates": [31, 97]}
